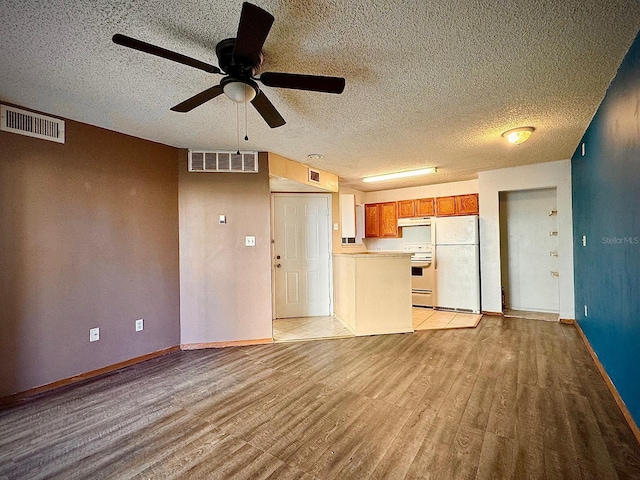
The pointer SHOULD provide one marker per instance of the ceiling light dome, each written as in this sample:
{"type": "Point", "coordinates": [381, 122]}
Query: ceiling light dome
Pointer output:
{"type": "Point", "coordinates": [240, 91]}
{"type": "Point", "coordinates": [518, 135]}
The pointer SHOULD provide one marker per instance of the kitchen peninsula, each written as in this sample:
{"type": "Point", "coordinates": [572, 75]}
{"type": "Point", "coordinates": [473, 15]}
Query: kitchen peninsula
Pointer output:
{"type": "Point", "coordinates": [373, 292]}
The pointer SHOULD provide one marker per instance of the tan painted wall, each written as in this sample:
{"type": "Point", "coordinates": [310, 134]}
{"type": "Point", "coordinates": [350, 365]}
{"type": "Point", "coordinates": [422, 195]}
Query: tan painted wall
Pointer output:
{"type": "Point", "coordinates": [285, 168]}
{"type": "Point", "coordinates": [88, 238]}
{"type": "Point", "coordinates": [225, 287]}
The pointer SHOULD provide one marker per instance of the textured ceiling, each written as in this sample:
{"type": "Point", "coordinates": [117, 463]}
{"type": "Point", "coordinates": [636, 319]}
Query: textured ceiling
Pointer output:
{"type": "Point", "coordinates": [427, 83]}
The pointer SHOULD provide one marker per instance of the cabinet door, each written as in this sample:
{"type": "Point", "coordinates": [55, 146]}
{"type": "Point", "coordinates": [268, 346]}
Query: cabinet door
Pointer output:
{"type": "Point", "coordinates": [406, 209]}
{"type": "Point", "coordinates": [424, 207]}
{"type": "Point", "coordinates": [388, 219]}
{"type": "Point", "coordinates": [445, 206]}
{"type": "Point", "coordinates": [467, 204]}
{"type": "Point", "coordinates": [371, 220]}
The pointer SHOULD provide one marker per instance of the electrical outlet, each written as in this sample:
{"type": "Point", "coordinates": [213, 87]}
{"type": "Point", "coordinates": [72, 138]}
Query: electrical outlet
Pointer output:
{"type": "Point", "coordinates": [94, 334]}
{"type": "Point", "coordinates": [139, 325]}
{"type": "Point", "coordinates": [250, 241]}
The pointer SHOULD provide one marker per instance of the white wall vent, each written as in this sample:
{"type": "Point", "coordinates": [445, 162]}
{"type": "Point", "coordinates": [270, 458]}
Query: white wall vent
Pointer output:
{"type": "Point", "coordinates": [31, 124]}
{"type": "Point", "coordinates": [223, 161]}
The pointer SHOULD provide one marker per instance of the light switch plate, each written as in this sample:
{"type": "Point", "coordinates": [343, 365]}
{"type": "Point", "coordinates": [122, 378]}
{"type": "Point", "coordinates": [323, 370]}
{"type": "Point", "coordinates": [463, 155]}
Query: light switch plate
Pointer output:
{"type": "Point", "coordinates": [94, 334]}
{"type": "Point", "coordinates": [222, 219]}
{"type": "Point", "coordinates": [250, 241]}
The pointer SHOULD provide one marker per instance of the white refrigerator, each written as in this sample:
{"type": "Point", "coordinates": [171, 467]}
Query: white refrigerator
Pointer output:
{"type": "Point", "coordinates": [457, 263]}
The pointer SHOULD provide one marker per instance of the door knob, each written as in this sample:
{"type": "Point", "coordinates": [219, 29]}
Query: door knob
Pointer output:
{"type": "Point", "coordinates": [278, 265]}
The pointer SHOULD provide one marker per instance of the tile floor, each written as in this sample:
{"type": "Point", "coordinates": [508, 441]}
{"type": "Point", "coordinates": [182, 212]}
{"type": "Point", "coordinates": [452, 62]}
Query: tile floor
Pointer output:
{"type": "Point", "coordinates": [313, 328]}
{"type": "Point", "coordinates": [306, 328]}
{"type": "Point", "coordinates": [430, 319]}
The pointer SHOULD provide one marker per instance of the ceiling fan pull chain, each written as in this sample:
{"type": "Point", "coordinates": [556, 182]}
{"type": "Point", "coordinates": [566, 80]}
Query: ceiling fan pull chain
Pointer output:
{"type": "Point", "coordinates": [246, 125]}
{"type": "Point", "coordinates": [238, 129]}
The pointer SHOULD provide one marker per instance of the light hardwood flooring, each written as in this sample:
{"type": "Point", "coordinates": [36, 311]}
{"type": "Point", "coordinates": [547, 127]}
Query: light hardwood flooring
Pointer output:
{"type": "Point", "coordinates": [547, 317]}
{"type": "Point", "coordinates": [509, 399]}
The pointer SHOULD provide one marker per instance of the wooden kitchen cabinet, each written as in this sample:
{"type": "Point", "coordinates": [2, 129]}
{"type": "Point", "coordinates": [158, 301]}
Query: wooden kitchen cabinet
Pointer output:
{"type": "Point", "coordinates": [424, 207]}
{"type": "Point", "coordinates": [388, 219]}
{"type": "Point", "coordinates": [445, 206]}
{"type": "Point", "coordinates": [457, 205]}
{"type": "Point", "coordinates": [467, 204]}
{"type": "Point", "coordinates": [406, 208]}
{"type": "Point", "coordinates": [381, 219]}
{"type": "Point", "coordinates": [371, 220]}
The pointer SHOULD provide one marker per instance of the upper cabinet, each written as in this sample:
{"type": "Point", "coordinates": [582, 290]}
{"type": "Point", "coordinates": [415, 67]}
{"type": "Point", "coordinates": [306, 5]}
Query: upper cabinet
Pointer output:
{"type": "Point", "coordinates": [381, 219]}
{"type": "Point", "coordinates": [422, 207]}
{"type": "Point", "coordinates": [388, 219]}
{"type": "Point", "coordinates": [467, 204]}
{"type": "Point", "coordinates": [371, 220]}
{"type": "Point", "coordinates": [445, 206]}
{"type": "Point", "coordinates": [406, 208]}
{"type": "Point", "coordinates": [425, 207]}
{"type": "Point", "coordinates": [458, 205]}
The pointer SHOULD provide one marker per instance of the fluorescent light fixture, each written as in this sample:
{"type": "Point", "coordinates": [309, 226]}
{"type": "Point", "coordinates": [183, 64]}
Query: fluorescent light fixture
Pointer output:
{"type": "Point", "coordinates": [393, 176]}
{"type": "Point", "coordinates": [518, 135]}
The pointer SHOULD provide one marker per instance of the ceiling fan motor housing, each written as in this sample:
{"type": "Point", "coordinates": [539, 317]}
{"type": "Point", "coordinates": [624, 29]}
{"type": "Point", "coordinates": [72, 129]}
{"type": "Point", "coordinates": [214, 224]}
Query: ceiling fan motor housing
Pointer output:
{"type": "Point", "coordinates": [240, 67]}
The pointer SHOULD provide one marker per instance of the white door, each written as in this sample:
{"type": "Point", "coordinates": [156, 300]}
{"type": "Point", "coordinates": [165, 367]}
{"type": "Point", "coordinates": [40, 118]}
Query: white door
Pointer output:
{"type": "Point", "coordinates": [302, 242]}
{"type": "Point", "coordinates": [529, 249]}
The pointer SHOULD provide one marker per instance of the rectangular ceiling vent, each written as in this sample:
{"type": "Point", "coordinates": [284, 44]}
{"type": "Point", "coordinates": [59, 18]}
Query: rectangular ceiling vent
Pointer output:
{"type": "Point", "coordinates": [31, 124]}
{"type": "Point", "coordinates": [223, 161]}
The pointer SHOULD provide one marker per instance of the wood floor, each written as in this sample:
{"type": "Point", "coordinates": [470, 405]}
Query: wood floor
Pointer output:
{"type": "Point", "coordinates": [509, 399]}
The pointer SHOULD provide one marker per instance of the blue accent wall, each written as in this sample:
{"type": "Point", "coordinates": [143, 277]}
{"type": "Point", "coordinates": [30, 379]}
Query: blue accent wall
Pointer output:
{"type": "Point", "coordinates": [606, 208]}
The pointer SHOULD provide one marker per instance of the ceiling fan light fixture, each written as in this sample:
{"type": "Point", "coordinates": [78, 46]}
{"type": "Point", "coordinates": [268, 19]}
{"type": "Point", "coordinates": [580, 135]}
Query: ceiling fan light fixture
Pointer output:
{"type": "Point", "coordinates": [518, 135]}
{"type": "Point", "coordinates": [396, 175]}
{"type": "Point", "coordinates": [238, 91]}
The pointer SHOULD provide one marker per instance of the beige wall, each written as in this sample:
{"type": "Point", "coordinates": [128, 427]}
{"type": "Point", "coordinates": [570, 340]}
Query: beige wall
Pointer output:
{"type": "Point", "coordinates": [298, 172]}
{"type": "Point", "coordinates": [88, 238]}
{"type": "Point", "coordinates": [425, 191]}
{"type": "Point", "coordinates": [225, 287]}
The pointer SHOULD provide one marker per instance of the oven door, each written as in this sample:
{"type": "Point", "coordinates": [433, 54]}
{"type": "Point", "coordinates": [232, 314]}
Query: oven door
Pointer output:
{"type": "Point", "coordinates": [421, 284]}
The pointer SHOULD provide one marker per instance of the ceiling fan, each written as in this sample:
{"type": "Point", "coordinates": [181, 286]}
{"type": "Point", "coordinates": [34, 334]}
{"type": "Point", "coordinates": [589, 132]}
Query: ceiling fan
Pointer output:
{"type": "Point", "coordinates": [239, 59]}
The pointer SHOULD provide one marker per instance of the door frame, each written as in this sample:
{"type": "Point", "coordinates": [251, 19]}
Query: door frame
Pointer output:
{"type": "Point", "coordinates": [501, 233]}
{"type": "Point", "coordinates": [329, 198]}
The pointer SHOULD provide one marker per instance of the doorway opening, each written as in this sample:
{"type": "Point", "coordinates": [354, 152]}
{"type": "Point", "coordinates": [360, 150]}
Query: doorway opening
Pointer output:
{"type": "Point", "coordinates": [302, 270]}
{"type": "Point", "coordinates": [529, 253]}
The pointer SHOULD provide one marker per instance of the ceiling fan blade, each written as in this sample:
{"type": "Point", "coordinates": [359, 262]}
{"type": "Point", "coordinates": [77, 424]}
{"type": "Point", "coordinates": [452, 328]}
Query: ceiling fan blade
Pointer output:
{"type": "Point", "coordinates": [253, 29]}
{"type": "Point", "coordinates": [198, 99]}
{"type": "Point", "coordinates": [163, 52]}
{"type": "Point", "coordinates": [266, 109]}
{"type": "Point", "coordinates": [316, 83]}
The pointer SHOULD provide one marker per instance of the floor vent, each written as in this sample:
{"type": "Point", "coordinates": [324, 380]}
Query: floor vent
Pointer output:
{"type": "Point", "coordinates": [31, 124]}
{"type": "Point", "coordinates": [223, 161]}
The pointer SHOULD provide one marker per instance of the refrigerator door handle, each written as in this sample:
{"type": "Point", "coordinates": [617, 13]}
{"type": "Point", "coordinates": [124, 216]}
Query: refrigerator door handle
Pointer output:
{"type": "Point", "coordinates": [434, 257]}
